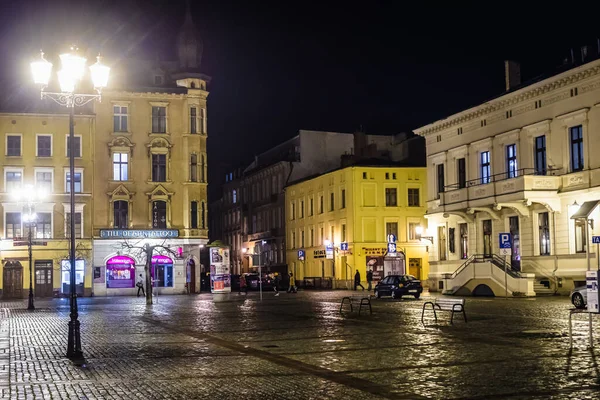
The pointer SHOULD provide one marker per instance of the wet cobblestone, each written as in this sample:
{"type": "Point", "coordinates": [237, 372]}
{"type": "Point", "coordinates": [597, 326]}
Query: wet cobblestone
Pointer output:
{"type": "Point", "coordinates": [296, 347]}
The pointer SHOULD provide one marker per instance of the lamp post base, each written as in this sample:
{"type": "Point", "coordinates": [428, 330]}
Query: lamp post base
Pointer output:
{"type": "Point", "coordinates": [74, 352]}
{"type": "Point", "coordinates": [30, 305]}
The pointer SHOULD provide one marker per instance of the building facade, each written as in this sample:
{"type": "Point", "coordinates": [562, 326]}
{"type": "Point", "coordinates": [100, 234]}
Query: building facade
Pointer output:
{"type": "Point", "coordinates": [521, 163]}
{"type": "Point", "coordinates": [140, 178]}
{"type": "Point", "coordinates": [357, 208]}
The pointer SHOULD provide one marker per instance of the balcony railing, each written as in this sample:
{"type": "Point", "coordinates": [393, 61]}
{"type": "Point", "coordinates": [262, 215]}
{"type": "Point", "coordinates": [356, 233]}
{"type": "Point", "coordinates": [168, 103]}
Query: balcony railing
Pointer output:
{"type": "Point", "coordinates": [499, 177]}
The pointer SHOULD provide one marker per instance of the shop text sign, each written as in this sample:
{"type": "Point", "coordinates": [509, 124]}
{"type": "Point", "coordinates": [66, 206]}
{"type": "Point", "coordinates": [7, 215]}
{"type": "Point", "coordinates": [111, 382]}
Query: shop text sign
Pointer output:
{"type": "Point", "coordinates": [138, 233]}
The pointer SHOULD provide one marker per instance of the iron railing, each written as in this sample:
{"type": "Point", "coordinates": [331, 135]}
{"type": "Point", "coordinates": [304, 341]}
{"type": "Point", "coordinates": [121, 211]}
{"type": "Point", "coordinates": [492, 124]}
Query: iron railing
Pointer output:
{"type": "Point", "coordinates": [503, 176]}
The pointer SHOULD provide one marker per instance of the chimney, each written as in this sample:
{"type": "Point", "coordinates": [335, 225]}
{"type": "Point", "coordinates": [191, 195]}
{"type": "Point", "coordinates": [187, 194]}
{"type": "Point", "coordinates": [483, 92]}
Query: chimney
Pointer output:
{"type": "Point", "coordinates": [512, 74]}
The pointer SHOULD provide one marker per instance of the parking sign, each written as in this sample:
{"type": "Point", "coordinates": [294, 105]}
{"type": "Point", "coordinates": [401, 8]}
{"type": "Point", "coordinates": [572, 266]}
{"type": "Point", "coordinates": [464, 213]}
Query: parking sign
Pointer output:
{"type": "Point", "coordinates": [301, 254]}
{"type": "Point", "coordinates": [505, 244]}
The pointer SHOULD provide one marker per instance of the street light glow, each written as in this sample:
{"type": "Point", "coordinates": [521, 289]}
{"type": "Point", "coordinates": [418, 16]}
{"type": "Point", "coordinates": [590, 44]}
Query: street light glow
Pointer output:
{"type": "Point", "coordinates": [72, 64]}
{"type": "Point", "coordinates": [419, 230]}
{"type": "Point", "coordinates": [99, 73]}
{"type": "Point", "coordinates": [41, 70]}
{"type": "Point", "coordinates": [326, 242]}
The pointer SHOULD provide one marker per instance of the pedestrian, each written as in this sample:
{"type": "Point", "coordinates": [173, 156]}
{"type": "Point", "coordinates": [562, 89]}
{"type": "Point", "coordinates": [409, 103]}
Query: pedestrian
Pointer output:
{"type": "Point", "coordinates": [243, 285]}
{"type": "Point", "coordinates": [276, 279]}
{"type": "Point", "coordinates": [292, 288]}
{"type": "Point", "coordinates": [357, 281]}
{"type": "Point", "coordinates": [140, 286]}
{"type": "Point", "coordinates": [369, 279]}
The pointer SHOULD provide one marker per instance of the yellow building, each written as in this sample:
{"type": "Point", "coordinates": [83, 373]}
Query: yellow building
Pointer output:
{"type": "Point", "coordinates": [358, 206]}
{"type": "Point", "coordinates": [34, 152]}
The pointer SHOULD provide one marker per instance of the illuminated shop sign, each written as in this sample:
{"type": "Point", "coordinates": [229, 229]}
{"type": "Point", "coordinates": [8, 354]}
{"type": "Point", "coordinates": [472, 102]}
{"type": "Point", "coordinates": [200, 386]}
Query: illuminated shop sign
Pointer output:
{"type": "Point", "coordinates": [138, 233]}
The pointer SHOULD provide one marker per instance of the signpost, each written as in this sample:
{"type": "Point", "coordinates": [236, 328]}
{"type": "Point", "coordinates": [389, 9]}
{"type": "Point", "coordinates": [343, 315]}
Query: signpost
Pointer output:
{"type": "Point", "coordinates": [329, 251]}
{"type": "Point", "coordinates": [505, 242]}
{"type": "Point", "coordinates": [596, 240]}
{"type": "Point", "coordinates": [391, 249]}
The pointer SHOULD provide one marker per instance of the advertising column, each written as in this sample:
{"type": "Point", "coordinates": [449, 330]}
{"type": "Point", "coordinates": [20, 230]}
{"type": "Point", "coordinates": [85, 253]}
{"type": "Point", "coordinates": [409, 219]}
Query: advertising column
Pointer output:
{"type": "Point", "coordinates": [220, 270]}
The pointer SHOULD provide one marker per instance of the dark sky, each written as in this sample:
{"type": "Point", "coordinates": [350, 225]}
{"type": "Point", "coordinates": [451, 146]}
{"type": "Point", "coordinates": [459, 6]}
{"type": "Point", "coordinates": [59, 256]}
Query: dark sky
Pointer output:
{"type": "Point", "coordinates": [278, 67]}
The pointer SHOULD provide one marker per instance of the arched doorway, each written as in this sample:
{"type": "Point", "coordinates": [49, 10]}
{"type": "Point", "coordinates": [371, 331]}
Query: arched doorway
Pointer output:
{"type": "Point", "coordinates": [13, 280]}
{"type": "Point", "coordinates": [162, 271]}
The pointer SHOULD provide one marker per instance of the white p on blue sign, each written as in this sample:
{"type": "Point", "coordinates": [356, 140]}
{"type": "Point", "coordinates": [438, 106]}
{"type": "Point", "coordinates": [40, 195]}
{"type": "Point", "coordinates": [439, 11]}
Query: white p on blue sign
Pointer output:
{"type": "Point", "coordinates": [505, 241]}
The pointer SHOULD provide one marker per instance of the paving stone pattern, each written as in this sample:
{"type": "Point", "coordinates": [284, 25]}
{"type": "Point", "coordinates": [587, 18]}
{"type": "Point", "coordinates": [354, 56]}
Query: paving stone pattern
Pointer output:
{"type": "Point", "coordinates": [296, 346]}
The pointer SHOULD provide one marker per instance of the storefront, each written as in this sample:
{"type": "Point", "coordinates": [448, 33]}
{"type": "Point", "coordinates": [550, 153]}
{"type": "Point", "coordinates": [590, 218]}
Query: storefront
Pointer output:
{"type": "Point", "coordinates": [120, 272]}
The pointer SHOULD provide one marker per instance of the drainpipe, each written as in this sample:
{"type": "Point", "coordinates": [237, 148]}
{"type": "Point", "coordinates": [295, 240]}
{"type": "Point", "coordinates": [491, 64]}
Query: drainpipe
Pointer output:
{"type": "Point", "coordinates": [554, 252]}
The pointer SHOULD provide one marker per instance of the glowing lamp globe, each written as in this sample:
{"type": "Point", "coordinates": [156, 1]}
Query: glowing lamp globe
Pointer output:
{"type": "Point", "coordinates": [41, 70]}
{"type": "Point", "coordinates": [99, 74]}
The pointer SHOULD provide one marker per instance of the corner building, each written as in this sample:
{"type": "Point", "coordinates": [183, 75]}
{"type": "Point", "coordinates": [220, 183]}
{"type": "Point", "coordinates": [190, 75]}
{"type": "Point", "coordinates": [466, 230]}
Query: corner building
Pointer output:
{"type": "Point", "coordinates": [359, 205]}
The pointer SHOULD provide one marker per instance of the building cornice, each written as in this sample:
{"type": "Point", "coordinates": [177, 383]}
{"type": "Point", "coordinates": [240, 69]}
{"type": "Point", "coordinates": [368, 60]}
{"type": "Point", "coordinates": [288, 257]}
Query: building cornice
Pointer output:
{"type": "Point", "coordinates": [528, 93]}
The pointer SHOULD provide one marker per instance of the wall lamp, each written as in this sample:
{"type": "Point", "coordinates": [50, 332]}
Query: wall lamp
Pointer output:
{"type": "Point", "coordinates": [419, 232]}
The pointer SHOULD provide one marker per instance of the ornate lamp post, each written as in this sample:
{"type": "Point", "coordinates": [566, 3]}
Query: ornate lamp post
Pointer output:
{"type": "Point", "coordinates": [73, 69]}
{"type": "Point", "coordinates": [28, 196]}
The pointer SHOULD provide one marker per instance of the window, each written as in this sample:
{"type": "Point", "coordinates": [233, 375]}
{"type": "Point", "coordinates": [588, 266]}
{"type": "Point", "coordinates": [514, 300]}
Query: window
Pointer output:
{"type": "Point", "coordinates": [511, 161]}
{"type": "Point", "coordinates": [451, 240]}
{"type": "Point", "coordinates": [580, 235]}
{"type": "Point", "coordinates": [159, 167]}
{"type": "Point", "coordinates": [322, 235]}
{"type": "Point", "coordinates": [487, 237]}
{"type": "Point", "coordinates": [387, 175]}
{"type": "Point", "coordinates": [44, 145]}
{"type": "Point", "coordinates": [312, 237]}
{"type": "Point", "coordinates": [343, 198]}
{"type": "Point", "coordinates": [302, 238]}
{"type": "Point", "coordinates": [412, 230]}
{"type": "Point", "coordinates": [485, 167]}
{"type": "Point", "coordinates": [13, 180]}
{"type": "Point", "coordinates": [293, 211]}
{"type": "Point", "coordinates": [13, 145]}
{"type": "Point", "coordinates": [43, 180]}
{"type": "Point", "coordinates": [331, 201]}
{"type": "Point", "coordinates": [440, 178]}
{"type": "Point", "coordinates": [391, 197]}
{"type": "Point", "coordinates": [391, 228]}
{"type": "Point", "coordinates": [43, 226]}
{"type": "Point", "coordinates": [320, 204]}
{"type": "Point", "coordinates": [120, 118]}
{"type": "Point", "coordinates": [13, 225]}
{"type": "Point", "coordinates": [576, 134]}
{"type": "Point", "coordinates": [159, 214]}
{"type": "Point", "coordinates": [77, 143]}
{"type": "Point", "coordinates": [203, 216]}
{"type": "Point", "coordinates": [78, 226]}
{"type": "Point", "coordinates": [121, 214]}
{"type": "Point", "coordinates": [159, 119]}
{"type": "Point", "coordinates": [544, 231]}
{"type": "Point", "coordinates": [540, 155]}
{"type": "Point", "coordinates": [343, 239]}
{"type": "Point", "coordinates": [364, 175]}
{"type": "Point", "coordinates": [120, 166]}
{"type": "Point", "coordinates": [301, 208]}
{"type": "Point", "coordinates": [202, 169]}
{"type": "Point", "coordinates": [193, 120]}
{"type": "Point", "coordinates": [393, 175]}
{"type": "Point", "coordinates": [234, 196]}
{"type": "Point", "coordinates": [293, 240]}
{"type": "Point", "coordinates": [462, 173]}
{"type": "Point", "coordinates": [332, 234]}
{"type": "Point", "coordinates": [203, 120]}
{"type": "Point", "coordinates": [194, 216]}
{"type": "Point", "coordinates": [413, 197]}
{"type": "Point", "coordinates": [310, 209]}
{"type": "Point", "coordinates": [78, 185]}
{"type": "Point", "coordinates": [193, 168]}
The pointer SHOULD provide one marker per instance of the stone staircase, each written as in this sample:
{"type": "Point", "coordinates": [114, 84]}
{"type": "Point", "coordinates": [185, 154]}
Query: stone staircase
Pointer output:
{"type": "Point", "coordinates": [542, 290]}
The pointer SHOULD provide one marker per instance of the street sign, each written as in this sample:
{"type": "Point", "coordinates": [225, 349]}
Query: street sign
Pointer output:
{"type": "Point", "coordinates": [329, 251]}
{"type": "Point", "coordinates": [391, 238]}
{"type": "Point", "coordinates": [301, 254]}
{"type": "Point", "coordinates": [505, 252]}
{"type": "Point", "coordinates": [344, 246]}
{"type": "Point", "coordinates": [391, 248]}
{"type": "Point", "coordinates": [505, 241]}
{"type": "Point", "coordinates": [20, 243]}
{"type": "Point", "coordinates": [596, 239]}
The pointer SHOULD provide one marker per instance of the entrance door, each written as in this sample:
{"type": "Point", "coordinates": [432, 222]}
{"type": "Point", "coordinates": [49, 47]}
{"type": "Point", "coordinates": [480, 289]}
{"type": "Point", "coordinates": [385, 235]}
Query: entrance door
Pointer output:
{"type": "Point", "coordinates": [43, 279]}
{"type": "Point", "coordinates": [13, 280]}
{"type": "Point", "coordinates": [487, 238]}
{"type": "Point", "coordinates": [441, 243]}
{"type": "Point", "coordinates": [515, 257]}
{"type": "Point", "coordinates": [192, 276]}
{"type": "Point", "coordinates": [414, 267]}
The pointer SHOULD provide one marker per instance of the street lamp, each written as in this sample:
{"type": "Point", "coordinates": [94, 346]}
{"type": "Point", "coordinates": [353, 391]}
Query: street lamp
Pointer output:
{"type": "Point", "coordinates": [72, 72]}
{"type": "Point", "coordinates": [419, 232]}
{"type": "Point", "coordinates": [29, 196]}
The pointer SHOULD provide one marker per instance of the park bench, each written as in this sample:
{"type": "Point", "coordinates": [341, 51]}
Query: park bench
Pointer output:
{"type": "Point", "coordinates": [357, 299]}
{"type": "Point", "coordinates": [445, 304]}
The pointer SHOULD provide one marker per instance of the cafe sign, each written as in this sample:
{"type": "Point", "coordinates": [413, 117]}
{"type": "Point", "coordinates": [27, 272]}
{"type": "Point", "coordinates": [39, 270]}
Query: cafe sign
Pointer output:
{"type": "Point", "coordinates": [319, 253]}
{"type": "Point", "coordinates": [138, 233]}
{"type": "Point", "coordinates": [374, 251]}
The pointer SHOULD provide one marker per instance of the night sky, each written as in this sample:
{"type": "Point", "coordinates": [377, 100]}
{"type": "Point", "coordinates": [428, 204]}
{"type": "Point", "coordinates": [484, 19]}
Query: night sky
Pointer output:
{"type": "Point", "coordinates": [278, 67]}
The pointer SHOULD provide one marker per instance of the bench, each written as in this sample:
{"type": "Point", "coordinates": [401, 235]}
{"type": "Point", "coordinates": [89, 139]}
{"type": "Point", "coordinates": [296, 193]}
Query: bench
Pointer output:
{"type": "Point", "coordinates": [445, 304]}
{"type": "Point", "coordinates": [360, 299]}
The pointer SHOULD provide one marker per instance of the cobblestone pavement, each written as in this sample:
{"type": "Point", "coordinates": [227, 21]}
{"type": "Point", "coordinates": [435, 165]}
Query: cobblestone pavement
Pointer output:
{"type": "Point", "coordinates": [296, 346]}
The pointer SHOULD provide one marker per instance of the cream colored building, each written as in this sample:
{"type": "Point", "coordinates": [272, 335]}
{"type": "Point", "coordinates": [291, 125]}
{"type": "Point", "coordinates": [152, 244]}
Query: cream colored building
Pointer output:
{"type": "Point", "coordinates": [521, 163]}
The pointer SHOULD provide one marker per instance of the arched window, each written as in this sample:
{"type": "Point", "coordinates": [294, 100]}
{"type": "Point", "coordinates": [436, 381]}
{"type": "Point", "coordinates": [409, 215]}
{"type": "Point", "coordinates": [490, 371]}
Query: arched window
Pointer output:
{"type": "Point", "coordinates": [193, 85]}
{"type": "Point", "coordinates": [202, 169]}
{"type": "Point", "coordinates": [203, 216]}
{"type": "Point", "coordinates": [121, 214]}
{"type": "Point", "coordinates": [159, 214]}
{"type": "Point", "coordinates": [194, 168]}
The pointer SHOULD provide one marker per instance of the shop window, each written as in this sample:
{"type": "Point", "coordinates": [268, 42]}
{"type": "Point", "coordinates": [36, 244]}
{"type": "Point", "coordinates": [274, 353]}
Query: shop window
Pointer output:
{"type": "Point", "coordinates": [120, 272]}
{"type": "Point", "coordinates": [162, 271]}
{"type": "Point", "coordinates": [65, 287]}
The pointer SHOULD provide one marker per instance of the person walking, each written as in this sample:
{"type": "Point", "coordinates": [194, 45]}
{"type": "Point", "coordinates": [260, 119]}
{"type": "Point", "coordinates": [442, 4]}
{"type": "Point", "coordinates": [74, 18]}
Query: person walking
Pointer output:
{"type": "Point", "coordinates": [292, 288]}
{"type": "Point", "coordinates": [276, 280]}
{"type": "Point", "coordinates": [140, 286]}
{"type": "Point", "coordinates": [243, 284]}
{"type": "Point", "coordinates": [369, 279]}
{"type": "Point", "coordinates": [357, 281]}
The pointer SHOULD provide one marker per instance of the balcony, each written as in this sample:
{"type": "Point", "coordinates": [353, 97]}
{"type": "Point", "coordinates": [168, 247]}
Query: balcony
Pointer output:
{"type": "Point", "coordinates": [525, 184]}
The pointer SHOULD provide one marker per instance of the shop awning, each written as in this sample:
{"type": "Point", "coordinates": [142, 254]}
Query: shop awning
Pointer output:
{"type": "Point", "coordinates": [585, 210]}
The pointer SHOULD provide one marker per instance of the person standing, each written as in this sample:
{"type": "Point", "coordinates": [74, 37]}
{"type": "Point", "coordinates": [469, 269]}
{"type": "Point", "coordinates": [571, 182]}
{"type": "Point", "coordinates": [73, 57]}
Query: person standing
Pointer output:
{"type": "Point", "coordinates": [276, 280]}
{"type": "Point", "coordinates": [140, 286]}
{"type": "Point", "coordinates": [292, 288]}
{"type": "Point", "coordinates": [243, 284]}
{"type": "Point", "coordinates": [369, 279]}
{"type": "Point", "coordinates": [357, 281]}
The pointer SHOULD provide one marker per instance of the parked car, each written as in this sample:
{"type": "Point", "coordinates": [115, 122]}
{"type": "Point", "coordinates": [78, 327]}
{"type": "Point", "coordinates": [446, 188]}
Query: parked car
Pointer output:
{"type": "Point", "coordinates": [253, 284]}
{"type": "Point", "coordinates": [398, 286]}
{"type": "Point", "coordinates": [579, 297]}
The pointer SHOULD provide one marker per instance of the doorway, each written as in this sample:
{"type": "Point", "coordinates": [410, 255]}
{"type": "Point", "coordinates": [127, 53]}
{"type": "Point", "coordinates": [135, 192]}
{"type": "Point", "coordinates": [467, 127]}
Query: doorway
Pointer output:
{"type": "Point", "coordinates": [487, 238]}
{"type": "Point", "coordinates": [13, 280]}
{"type": "Point", "coordinates": [43, 279]}
{"type": "Point", "coordinates": [515, 257]}
{"type": "Point", "coordinates": [191, 276]}
{"type": "Point", "coordinates": [414, 267]}
{"type": "Point", "coordinates": [441, 243]}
